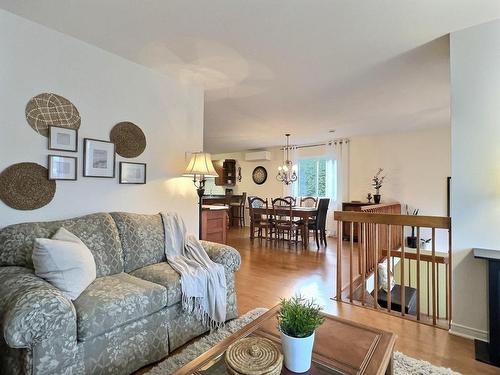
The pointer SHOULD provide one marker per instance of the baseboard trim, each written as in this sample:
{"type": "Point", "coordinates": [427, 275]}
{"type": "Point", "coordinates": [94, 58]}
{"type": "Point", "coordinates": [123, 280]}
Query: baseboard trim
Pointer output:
{"type": "Point", "coordinates": [468, 332]}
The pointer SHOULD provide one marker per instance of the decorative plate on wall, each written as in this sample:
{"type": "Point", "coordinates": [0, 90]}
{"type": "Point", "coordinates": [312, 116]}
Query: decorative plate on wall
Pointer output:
{"type": "Point", "coordinates": [48, 109]}
{"type": "Point", "coordinates": [259, 175]}
{"type": "Point", "coordinates": [25, 186]}
{"type": "Point", "coordinates": [129, 139]}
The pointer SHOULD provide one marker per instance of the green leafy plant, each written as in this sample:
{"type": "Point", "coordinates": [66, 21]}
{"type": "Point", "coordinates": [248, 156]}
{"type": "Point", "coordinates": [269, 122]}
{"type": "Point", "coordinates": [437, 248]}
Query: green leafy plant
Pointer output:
{"type": "Point", "coordinates": [299, 317]}
{"type": "Point", "coordinates": [377, 181]}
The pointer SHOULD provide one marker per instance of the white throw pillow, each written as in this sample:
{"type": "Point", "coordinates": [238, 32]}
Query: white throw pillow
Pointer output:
{"type": "Point", "coordinates": [65, 262]}
{"type": "Point", "coordinates": [382, 276]}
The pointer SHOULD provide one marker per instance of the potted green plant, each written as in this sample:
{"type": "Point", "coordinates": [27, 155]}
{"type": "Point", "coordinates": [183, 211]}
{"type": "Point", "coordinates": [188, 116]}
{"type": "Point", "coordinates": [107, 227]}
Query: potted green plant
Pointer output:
{"type": "Point", "coordinates": [298, 319]}
{"type": "Point", "coordinates": [377, 182]}
{"type": "Point", "coordinates": [411, 241]}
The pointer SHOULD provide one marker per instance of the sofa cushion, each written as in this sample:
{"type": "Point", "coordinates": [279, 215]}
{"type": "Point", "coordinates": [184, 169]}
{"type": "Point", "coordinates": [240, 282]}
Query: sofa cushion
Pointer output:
{"type": "Point", "coordinates": [142, 239]}
{"type": "Point", "coordinates": [65, 262]}
{"type": "Point", "coordinates": [163, 274]}
{"type": "Point", "coordinates": [111, 301]}
{"type": "Point", "coordinates": [97, 231]}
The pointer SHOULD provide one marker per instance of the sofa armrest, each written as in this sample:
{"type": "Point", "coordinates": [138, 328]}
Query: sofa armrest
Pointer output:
{"type": "Point", "coordinates": [32, 310]}
{"type": "Point", "coordinates": [226, 255]}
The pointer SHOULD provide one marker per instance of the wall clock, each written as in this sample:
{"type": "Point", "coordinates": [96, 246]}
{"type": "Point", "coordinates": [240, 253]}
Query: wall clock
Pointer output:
{"type": "Point", "coordinates": [259, 175]}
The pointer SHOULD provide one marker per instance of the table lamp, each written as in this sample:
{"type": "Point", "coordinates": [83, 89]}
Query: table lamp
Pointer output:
{"type": "Point", "coordinates": [199, 168]}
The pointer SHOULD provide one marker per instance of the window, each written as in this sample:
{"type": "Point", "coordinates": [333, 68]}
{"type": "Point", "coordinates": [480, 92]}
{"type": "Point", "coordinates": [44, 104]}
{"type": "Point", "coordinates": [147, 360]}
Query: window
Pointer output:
{"type": "Point", "coordinates": [313, 177]}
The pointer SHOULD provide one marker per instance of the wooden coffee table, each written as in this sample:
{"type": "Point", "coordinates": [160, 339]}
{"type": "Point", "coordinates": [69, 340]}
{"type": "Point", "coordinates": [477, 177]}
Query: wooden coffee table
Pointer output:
{"type": "Point", "coordinates": [340, 347]}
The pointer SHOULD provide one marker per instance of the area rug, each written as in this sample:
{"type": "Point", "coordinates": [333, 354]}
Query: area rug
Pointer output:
{"type": "Point", "coordinates": [403, 365]}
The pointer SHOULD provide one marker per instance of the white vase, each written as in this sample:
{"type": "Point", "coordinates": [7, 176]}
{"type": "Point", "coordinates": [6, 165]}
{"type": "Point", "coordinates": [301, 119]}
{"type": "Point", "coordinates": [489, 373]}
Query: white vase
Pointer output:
{"type": "Point", "coordinates": [297, 352]}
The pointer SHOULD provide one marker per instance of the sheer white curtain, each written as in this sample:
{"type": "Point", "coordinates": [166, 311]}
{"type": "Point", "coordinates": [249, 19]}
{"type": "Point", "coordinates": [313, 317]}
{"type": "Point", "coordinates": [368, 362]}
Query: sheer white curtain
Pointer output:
{"type": "Point", "coordinates": [292, 189]}
{"type": "Point", "coordinates": [337, 179]}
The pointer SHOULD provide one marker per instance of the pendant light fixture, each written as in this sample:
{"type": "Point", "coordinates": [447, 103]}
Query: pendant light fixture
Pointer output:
{"type": "Point", "coordinates": [286, 172]}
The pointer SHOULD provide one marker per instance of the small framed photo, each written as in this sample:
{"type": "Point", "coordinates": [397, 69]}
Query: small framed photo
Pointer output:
{"type": "Point", "coordinates": [62, 167]}
{"type": "Point", "coordinates": [132, 173]}
{"type": "Point", "coordinates": [98, 158]}
{"type": "Point", "coordinates": [63, 139]}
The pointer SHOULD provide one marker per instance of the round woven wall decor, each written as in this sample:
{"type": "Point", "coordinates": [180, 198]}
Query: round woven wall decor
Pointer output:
{"type": "Point", "coordinates": [128, 138]}
{"type": "Point", "coordinates": [25, 186]}
{"type": "Point", "coordinates": [50, 109]}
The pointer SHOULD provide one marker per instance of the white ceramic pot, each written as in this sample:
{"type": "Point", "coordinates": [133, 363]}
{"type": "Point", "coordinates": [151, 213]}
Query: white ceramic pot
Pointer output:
{"type": "Point", "coordinates": [297, 352]}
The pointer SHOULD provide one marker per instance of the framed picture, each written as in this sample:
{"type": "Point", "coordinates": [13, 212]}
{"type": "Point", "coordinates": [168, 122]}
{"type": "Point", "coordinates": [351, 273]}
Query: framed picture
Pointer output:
{"type": "Point", "coordinates": [63, 139]}
{"type": "Point", "coordinates": [62, 167]}
{"type": "Point", "coordinates": [132, 173]}
{"type": "Point", "coordinates": [98, 158]}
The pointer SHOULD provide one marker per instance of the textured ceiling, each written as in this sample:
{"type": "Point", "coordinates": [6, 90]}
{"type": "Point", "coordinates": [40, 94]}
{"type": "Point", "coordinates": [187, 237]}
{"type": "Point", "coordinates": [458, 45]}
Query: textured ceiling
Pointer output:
{"type": "Point", "coordinates": [298, 66]}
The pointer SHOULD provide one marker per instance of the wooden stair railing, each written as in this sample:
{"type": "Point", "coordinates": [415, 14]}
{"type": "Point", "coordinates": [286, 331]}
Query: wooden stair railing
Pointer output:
{"type": "Point", "coordinates": [382, 228]}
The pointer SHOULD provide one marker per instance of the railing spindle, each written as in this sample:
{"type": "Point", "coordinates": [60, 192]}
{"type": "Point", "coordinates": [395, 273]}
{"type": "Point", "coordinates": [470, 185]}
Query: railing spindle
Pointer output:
{"type": "Point", "coordinates": [389, 303]}
{"type": "Point", "coordinates": [446, 290]}
{"type": "Point", "coordinates": [339, 260]}
{"type": "Point", "coordinates": [418, 273]}
{"type": "Point", "coordinates": [363, 268]}
{"type": "Point", "coordinates": [428, 268]}
{"type": "Point", "coordinates": [434, 276]}
{"type": "Point", "coordinates": [375, 291]}
{"type": "Point", "coordinates": [437, 290]}
{"type": "Point", "coordinates": [449, 277]}
{"type": "Point", "coordinates": [403, 287]}
{"type": "Point", "coordinates": [351, 250]}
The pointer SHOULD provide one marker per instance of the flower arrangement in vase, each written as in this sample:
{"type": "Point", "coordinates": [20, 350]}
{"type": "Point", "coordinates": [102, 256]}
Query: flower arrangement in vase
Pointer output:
{"type": "Point", "coordinates": [377, 182]}
{"type": "Point", "coordinates": [298, 319]}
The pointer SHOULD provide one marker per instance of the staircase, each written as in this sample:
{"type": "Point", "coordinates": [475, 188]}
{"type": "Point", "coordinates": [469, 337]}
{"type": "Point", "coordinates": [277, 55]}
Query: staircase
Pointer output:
{"type": "Point", "coordinates": [424, 273]}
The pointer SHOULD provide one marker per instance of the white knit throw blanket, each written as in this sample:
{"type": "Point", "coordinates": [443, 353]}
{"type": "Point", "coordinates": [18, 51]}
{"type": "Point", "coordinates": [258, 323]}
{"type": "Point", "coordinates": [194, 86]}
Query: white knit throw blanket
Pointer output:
{"type": "Point", "coordinates": [203, 281]}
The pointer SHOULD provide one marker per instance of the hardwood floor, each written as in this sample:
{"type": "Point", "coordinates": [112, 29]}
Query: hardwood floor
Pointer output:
{"type": "Point", "coordinates": [269, 272]}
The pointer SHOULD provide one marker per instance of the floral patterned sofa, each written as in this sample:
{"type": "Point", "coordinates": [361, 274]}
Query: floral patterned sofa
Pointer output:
{"type": "Point", "coordinates": [128, 317]}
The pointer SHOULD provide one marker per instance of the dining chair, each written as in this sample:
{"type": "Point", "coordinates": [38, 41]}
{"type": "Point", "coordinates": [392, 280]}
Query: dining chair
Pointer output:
{"type": "Point", "coordinates": [284, 223]}
{"type": "Point", "coordinates": [318, 225]}
{"type": "Point", "coordinates": [308, 201]}
{"type": "Point", "coordinates": [238, 211]}
{"type": "Point", "coordinates": [260, 221]}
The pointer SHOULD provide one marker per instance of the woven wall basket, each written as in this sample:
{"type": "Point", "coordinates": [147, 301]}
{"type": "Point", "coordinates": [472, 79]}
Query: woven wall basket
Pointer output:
{"type": "Point", "coordinates": [253, 356]}
{"type": "Point", "coordinates": [51, 109]}
{"type": "Point", "coordinates": [129, 139]}
{"type": "Point", "coordinates": [25, 186]}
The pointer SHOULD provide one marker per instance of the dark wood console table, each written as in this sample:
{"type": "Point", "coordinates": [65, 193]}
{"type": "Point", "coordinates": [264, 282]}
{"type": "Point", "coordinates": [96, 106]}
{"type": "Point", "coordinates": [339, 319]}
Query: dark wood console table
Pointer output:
{"type": "Point", "coordinates": [490, 352]}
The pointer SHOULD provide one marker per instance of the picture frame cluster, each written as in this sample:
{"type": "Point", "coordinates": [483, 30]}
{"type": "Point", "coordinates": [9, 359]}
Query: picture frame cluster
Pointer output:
{"type": "Point", "coordinates": [99, 159]}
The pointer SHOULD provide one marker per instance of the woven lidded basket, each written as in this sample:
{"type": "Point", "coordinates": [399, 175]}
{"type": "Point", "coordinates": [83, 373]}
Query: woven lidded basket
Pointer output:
{"type": "Point", "coordinates": [254, 356]}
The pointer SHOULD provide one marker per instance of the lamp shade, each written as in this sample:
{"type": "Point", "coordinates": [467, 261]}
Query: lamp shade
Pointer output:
{"type": "Point", "coordinates": [200, 165]}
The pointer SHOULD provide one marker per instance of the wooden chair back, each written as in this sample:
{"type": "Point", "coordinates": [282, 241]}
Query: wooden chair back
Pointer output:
{"type": "Point", "coordinates": [256, 202]}
{"type": "Point", "coordinates": [282, 203]}
{"type": "Point", "coordinates": [243, 199]}
{"type": "Point", "coordinates": [308, 201]}
{"type": "Point", "coordinates": [290, 199]}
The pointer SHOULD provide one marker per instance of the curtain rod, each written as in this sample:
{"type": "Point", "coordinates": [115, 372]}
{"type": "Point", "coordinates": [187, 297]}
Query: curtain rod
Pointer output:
{"type": "Point", "coordinates": [329, 143]}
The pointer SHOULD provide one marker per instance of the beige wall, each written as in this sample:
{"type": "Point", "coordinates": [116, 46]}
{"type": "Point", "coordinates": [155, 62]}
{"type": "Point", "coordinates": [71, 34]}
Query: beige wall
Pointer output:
{"type": "Point", "coordinates": [475, 116]}
{"type": "Point", "coordinates": [416, 163]}
{"type": "Point", "coordinates": [106, 89]}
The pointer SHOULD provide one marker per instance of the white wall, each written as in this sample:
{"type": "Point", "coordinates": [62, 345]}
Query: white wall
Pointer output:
{"type": "Point", "coordinates": [106, 89]}
{"type": "Point", "coordinates": [475, 93]}
{"type": "Point", "coordinates": [417, 164]}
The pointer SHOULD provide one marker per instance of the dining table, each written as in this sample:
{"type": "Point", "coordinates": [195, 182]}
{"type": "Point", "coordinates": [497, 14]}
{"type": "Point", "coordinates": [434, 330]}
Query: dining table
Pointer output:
{"type": "Point", "coordinates": [304, 213]}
